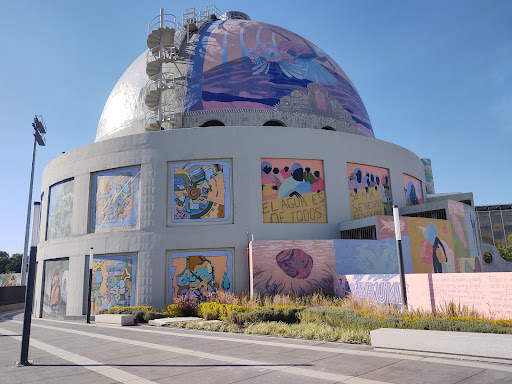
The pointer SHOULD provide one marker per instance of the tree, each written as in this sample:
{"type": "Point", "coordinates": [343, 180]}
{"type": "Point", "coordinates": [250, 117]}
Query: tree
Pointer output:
{"type": "Point", "coordinates": [4, 260]}
{"type": "Point", "coordinates": [14, 265]}
{"type": "Point", "coordinates": [506, 252]}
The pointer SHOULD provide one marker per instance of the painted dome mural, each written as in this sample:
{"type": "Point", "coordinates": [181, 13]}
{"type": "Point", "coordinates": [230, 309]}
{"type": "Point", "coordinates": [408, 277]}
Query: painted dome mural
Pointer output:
{"type": "Point", "coordinates": [241, 64]}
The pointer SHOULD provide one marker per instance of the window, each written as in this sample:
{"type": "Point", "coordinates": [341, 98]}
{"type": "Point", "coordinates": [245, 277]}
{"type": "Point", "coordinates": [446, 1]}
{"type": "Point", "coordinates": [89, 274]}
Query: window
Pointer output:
{"type": "Point", "coordinates": [327, 128]}
{"type": "Point", "coordinates": [274, 123]}
{"type": "Point", "coordinates": [213, 123]}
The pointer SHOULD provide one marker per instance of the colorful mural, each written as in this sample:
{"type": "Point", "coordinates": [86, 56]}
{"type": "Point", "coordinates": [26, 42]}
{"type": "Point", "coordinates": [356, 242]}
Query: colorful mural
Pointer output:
{"type": "Point", "coordinates": [195, 273]}
{"type": "Point", "coordinates": [60, 210]}
{"type": "Point", "coordinates": [472, 231]}
{"type": "Point", "coordinates": [200, 191]}
{"type": "Point", "coordinates": [486, 293]}
{"type": "Point", "coordinates": [113, 282]}
{"type": "Point", "coordinates": [457, 218]}
{"type": "Point", "coordinates": [10, 279]}
{"type": "Point", "coordinates": [369, 190]}
{"type": "Point", "coordinates": [55, 289]}
{"type": "Point", "coordinates": [241, 64]}
{"type": "Point", "coordinates": [283, 267]}
{"type": "Point", "coordinates": [413, 190]}
{"type": "Point", "coordinates": [429, 176]}
{"type": "Point", "coordinates": [293, 191]}
{"type": "Point", "coordinates": [115, 202]}
{"type": "Point", "coordinates": [431, 245]}
{"type": "Point", "coordinates": [370, 256]}
{"type": "Point", "coordinates": [386, 227]}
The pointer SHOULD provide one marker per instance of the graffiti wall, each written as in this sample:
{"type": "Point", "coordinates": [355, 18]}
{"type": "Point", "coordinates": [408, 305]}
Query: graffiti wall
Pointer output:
{"type": "Point", "coordinates": [413, 190]}
{"type": "Point", "coordinates": [370, 256]}
{"type": "Point", "coordinates": [113, 282]}
{"type": "Point", "coordinates": [115, 202]}
{"type": "Point", "coordinates": [293, 191]}
{"type": "Point", "coordinates": [60, 210]}
{"type": "Point", "coordinates": [10, 279]}
{"type": "Point", "coordinates": [199, 191]}
{"type": "Point", "coordinates": [253, 65]}
{"type": "Point", "coordinates": [55, 289]}
{"type": "Point", "coordinates": [472, 231]}
{"type": "Point", "coordinates": [283, 267]}
{"type": "Point", "coordinates": [369, 190]}
{"type": "Point", "coordinates": [195, 273]}
{"type": "Point", "coordinates": [486, 293]}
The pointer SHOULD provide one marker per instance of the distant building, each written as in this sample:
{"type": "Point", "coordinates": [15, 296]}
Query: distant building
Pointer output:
{"type": "Point", "coordinates": [495, 223]}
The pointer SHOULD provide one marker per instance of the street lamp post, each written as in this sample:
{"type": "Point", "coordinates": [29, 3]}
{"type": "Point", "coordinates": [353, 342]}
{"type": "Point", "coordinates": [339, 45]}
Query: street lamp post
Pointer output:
{"type": "Point", "coordinates": [29, 290]}
{"type": "Point", "coordinates": [88, 315]}
{"type": "Point", "coordinates": [39, 132]}
{"type": "Point", "coordinates": [398, 236]}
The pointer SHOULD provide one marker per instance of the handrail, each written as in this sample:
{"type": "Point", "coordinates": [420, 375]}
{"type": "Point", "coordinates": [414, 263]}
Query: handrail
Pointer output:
{"type": "Point", "coordinates": [169, 21]}
{"type": "Point", "coordinates": [161, 52]}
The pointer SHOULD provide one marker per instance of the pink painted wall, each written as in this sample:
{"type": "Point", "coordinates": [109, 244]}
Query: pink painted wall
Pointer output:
{"type": "Point", "coordinates": [487, 293]}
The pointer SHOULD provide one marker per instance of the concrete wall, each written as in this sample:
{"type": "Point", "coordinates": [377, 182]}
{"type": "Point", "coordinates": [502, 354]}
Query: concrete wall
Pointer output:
{"type": "Point", "coordinates": [245, 147]}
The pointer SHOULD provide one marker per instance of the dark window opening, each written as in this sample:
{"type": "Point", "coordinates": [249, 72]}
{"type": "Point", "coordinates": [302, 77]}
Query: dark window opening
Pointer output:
{"type": "Point", "coordinates": [366, 233]}
{"type": "Point", "coordinates": [213, 123]}
{"type": "Point", "coordinates": [274, 123]}
{"type": "Point", "coordinates": [439, 214]}
{"type": "Point", "coordinates": [327, 128]}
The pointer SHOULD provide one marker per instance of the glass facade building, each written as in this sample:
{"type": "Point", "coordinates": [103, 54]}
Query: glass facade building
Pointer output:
{"type": "Point", "coordinates": [495, 223]}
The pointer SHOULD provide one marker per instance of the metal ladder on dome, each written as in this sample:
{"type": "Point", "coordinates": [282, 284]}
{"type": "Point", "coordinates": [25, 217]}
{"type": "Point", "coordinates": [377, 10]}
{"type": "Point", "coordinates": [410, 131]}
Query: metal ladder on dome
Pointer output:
{"type": "Point", "coordinates": [165, 38]}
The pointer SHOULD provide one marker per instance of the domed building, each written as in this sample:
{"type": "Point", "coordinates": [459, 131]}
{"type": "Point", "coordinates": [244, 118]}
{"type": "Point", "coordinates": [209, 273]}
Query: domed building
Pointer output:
{"type": "Point", "coordinates": [225, 130]}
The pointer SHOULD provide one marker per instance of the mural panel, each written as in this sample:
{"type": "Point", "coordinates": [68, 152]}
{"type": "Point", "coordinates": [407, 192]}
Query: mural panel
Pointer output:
{"type": "Point", "coordinates": [293, 191]}
{"type": "Point", "coordinates": [10, 279]}
{"type": "Point", "coordinates": [55, 290]}
{"type": "Point", "coordinates": [386, 227]}
{"type": "Point", "coordinates": [253, 65]}
{"type": "Point", "coordinates": [371, 256]}
{"type": "Point", "coordinates": [199, 191]}
{"type": "Point", "coordinates": [431, 245]}
{"type": "Point", "coordinates": [370, 191]}
{"type": "Point", "coordinates": [472, 231]}
{"type": "Point", "coordinates": [429, 176]}
{"type": "Point", "coordinates": [413, 190]}
{"type": "Point", "coordinates": [60, 210]}
{"type": "Point", "coordinates": [195, 273]}
{"type": "Point", "coordinates": [115, 202]}
{"type": "Point", "coordinates": [301, 267]}
{"type": "Point", "coordinates": [458, 219]}
{"type": "Point", "coordinates": [113, 282]}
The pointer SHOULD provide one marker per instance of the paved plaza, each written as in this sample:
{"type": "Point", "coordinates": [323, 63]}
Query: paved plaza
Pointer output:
{"type": "Point", "coordinates": [75, 352]}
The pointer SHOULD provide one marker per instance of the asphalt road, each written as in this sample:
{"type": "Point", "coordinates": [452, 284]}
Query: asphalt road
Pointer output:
{"type": "Point", "coordinates": [75, 352]}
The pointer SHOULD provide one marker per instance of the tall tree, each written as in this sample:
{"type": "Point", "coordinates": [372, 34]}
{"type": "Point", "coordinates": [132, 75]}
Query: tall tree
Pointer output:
{"type": "Point", "coordinates": [14, 265]}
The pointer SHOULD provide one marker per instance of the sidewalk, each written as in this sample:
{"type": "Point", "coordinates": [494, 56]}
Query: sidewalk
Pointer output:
{"type": "Point", "coordinates": [75, 352]}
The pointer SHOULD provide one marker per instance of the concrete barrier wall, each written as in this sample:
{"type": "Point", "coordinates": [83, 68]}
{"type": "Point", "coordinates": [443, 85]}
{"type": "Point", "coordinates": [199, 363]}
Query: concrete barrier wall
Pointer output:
{"type": "Point", "coordinates": [487, 293]}
{"type": "Point", "coordinates": [12, 295]}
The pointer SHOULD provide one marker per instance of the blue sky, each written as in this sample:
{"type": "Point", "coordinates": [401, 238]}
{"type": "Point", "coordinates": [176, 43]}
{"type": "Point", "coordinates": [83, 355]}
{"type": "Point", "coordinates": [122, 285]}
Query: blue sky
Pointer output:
{"type": "Point", "coordinates": [435, 77]}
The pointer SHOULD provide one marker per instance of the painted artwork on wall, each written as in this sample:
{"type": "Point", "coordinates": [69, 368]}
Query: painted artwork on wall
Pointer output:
{"type": "Point", "coordinates": [429, 176]}
{"type": "Point", "coordinates": [60, 210]}
{"type": "Point", "coordinates": [283, 267]}
{"type": "Point", "coordinates": [199, 192]}
{"type": "Point", "coordinates": [55, 289]}
{"type": "Point", "coordinates": [472, 231]}
{"type": "Point", "coordinates": [369, 190]}
{"type": "Point", "coordinates": [457, 218]}
{"type": "Point", "coordinates": [115, 200]}
{"type": "Point", "coordinates": [413, 190]}
{"type": "Point", "coordinates": [293, 191]}
{"type": "Point", "coordinates": [253, 65]}
{"type": "Point", "coordinates": [432, 247]}
{"type": "Point", "coordinates": [113, 282]}
{"type": "Point", "coordinates": [371, 256]}
{"type": "Point", "coordinates": [197, 273]}
{"type": "Point", "coordinates": [10, 279]}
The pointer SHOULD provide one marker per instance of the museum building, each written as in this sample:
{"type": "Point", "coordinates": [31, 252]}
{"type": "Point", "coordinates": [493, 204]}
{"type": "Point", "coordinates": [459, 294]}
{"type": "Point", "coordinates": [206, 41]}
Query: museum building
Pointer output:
{"type": "Point", "coordinates": [225, 137]}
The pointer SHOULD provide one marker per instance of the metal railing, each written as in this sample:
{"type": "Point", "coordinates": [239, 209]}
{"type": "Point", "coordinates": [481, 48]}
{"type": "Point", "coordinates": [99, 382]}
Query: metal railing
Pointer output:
{"type": "Point", "coordinates": [166, 52]}
{"type": "Point", "coordinates": [164, 20]}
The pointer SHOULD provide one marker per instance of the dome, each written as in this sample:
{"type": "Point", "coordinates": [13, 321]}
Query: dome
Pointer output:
{"type": "Point", "coordinates": [242, 72]}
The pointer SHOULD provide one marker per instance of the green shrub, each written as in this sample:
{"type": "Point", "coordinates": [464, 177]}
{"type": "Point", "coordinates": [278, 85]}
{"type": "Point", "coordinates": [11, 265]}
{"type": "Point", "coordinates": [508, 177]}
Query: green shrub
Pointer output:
{"type": "Point", "coordinates": [152, 315]}
{"type": "Point", "coordinates": [218, 311]}
{"type": "Point", "coordinates": [186, 306]}
{"type": "Point", "coordinates": [286, 315]}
